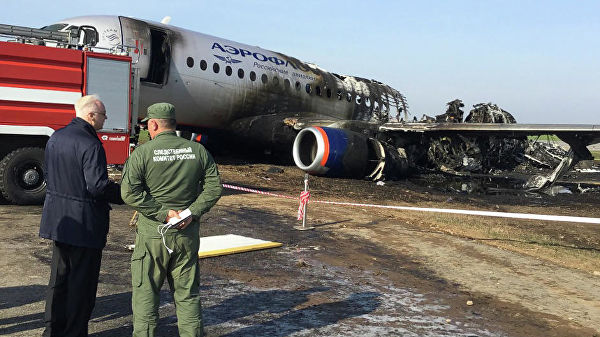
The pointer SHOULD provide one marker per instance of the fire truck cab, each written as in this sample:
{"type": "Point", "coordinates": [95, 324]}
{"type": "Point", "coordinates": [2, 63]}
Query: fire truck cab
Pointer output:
{"type": "Point", "coordinates": [42, 74]}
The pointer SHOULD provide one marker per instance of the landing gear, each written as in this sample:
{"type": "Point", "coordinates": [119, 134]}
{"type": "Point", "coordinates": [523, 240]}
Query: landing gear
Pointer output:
{"type": "Point", "coordinates": [22, 178]}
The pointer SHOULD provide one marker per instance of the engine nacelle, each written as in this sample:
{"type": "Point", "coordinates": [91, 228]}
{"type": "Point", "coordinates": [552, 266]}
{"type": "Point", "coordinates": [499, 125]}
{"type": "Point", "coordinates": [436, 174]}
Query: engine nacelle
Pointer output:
{"type": "Point", "coordinates": [333, 152]}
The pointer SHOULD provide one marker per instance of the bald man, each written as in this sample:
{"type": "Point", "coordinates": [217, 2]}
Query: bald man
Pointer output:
{"type": "Point", "coordinates": [76, 218]}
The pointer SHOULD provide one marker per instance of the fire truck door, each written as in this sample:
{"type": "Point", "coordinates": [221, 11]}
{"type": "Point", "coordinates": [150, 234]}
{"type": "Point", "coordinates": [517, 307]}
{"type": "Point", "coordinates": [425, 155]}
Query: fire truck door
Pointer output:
{"type": "Point", "coordinates": [136, 35]}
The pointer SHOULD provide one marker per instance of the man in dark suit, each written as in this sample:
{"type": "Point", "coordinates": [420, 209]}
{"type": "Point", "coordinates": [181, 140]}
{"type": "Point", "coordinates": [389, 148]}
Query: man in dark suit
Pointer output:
{"type": "Point", "coordinates": [76, 218]}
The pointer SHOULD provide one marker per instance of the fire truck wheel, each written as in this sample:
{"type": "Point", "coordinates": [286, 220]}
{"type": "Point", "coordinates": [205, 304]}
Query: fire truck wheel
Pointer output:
{"type": "Point", "coordinates": [22, 176]}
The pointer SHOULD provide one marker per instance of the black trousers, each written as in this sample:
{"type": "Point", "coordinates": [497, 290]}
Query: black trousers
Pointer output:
{"type": "Point", "coordinates": [72, 290]}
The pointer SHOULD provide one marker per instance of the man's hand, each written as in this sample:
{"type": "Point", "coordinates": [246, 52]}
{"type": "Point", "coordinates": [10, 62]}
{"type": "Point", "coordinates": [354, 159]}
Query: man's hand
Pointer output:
{"type": "Point", "coordinates": [175, 214]}
{"type": "Point", "coordinates": [184, 223]}
{"type": "Point", "coordinates": [172, 214]}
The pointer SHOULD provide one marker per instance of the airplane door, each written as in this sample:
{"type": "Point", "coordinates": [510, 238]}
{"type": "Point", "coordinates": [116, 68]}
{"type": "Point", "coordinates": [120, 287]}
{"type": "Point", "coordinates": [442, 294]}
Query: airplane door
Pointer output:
{"type": "Point", "coordinates": [136, 35]}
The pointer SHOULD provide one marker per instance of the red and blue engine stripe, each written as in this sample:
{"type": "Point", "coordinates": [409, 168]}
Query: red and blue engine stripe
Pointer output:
{"type": "Point", "coordinates": [335, 143]}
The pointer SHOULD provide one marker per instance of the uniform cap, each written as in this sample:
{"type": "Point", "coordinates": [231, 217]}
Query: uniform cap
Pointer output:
{"type": "Point", "coordinates": [160, 111]}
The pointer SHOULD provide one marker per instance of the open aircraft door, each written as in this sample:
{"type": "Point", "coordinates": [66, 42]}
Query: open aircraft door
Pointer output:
{"type": "Point", "coordinates": [136, 35]}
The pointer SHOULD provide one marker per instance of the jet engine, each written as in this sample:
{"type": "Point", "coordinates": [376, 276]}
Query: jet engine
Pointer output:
{"type": "Point", "coordinates": [343, 153]}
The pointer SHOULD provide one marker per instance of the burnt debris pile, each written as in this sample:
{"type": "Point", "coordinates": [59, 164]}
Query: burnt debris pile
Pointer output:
{"type": "Point", "coordinates": [479, 153]}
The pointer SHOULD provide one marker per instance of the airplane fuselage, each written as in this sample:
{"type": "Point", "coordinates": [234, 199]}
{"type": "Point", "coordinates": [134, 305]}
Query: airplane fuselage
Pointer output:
{"type": "Point", "coordinates": [213, 81]}
{"type": "Point", "coordinates": [339, 125]}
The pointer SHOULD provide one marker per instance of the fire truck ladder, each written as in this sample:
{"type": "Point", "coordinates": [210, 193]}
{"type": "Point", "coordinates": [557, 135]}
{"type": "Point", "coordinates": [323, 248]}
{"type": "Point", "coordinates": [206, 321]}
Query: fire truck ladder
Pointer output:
{"type": "Point", "coordinates": [39, 34]}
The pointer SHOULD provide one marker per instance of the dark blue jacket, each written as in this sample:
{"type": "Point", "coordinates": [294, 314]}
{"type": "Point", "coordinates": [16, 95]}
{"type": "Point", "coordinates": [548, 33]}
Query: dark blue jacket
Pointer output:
{"type": "Point", "coordinates": [78, 192]}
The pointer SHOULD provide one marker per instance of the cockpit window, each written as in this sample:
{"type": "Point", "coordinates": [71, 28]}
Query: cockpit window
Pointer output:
{"type": "Point", "coordinates": [55, 27]}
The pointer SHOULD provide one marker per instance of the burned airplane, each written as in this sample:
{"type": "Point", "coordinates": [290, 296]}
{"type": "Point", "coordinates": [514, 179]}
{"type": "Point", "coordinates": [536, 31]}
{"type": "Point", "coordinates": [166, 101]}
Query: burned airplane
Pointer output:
{"type": "Point", "coordinates": [334, 125]}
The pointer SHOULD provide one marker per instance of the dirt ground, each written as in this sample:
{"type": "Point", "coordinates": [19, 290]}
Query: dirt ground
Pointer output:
{"type": "Point", "coordinates": [360, 271]}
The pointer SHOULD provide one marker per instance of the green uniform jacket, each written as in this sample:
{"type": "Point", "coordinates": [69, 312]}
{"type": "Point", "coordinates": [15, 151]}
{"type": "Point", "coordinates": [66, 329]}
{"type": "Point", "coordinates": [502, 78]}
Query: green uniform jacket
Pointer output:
{"type": "Point", "coordinates": [169, 172]}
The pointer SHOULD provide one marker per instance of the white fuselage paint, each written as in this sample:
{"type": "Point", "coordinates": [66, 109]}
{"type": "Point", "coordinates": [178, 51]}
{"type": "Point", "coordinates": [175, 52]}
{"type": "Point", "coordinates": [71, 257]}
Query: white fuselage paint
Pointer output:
{"type": "Point", "coordinates": [207, 99]}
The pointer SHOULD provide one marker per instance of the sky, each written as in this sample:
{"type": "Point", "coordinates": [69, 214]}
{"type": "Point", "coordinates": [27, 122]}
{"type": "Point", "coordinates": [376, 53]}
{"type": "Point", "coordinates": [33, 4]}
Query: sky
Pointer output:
{"type": "Point", "coordinates": [539, 60]}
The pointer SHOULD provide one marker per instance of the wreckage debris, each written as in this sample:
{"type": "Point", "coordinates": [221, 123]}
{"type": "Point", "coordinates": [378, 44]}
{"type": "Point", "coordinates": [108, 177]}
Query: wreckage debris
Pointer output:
{"type": "Point", "coordinates": [453, 114]}
{"type": "Point", "coordinates": [462, 155]}
{"type": "Point", "coordinates": [489, 113]}
{"type": "Point", "coordinates": [478, 154]}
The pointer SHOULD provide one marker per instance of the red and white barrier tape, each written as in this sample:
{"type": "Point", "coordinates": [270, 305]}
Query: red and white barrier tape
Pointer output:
{"type": "Point", "coordinates": [526, 216]}
{"type": "Point", "coordinates": [238, 188]}
{"type": "Point", "coordinates": [304, 196]}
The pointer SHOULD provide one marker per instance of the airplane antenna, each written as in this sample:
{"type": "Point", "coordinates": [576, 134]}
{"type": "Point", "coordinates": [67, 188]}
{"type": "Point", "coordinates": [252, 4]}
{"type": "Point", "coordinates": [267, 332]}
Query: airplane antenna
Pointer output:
{"type": "Point", "coordinates": [166, 20]}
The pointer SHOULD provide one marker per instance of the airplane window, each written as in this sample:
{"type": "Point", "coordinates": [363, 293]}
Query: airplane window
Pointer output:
{"type": "Point", "coordinates": [368, 102]}
{"type": "Point", "coordinates": [241, 73]}
{"type": "Point", "coordinates": [339, 95]}
{"type": "Point", "coordinates": [358, 99]}
{"type": "Point", "coordinates": [348, 97]}
{"type": "Point", "coordinates": [190, 62]}
{"type": "Point", "coordinates": [286, 83]}
{"type": "Point", "coordinates": [264, 78]}
{"type": "Point", "coordinates": [203, 65]}
{"type": "Point", "coordinates": [252, 76]}
{"type": "Point", "coordinates": [308, 88]}
{"type": "Point", "coordinates": [228, 70]}
{"type": "Point", "coordinates": [297, 85]}
{"type": "Point", "coordinates": [318, 89]}
{"type": "Point", "coordinates": [328, 93]}
{"type": "Point", "coordinates": [216, 68]}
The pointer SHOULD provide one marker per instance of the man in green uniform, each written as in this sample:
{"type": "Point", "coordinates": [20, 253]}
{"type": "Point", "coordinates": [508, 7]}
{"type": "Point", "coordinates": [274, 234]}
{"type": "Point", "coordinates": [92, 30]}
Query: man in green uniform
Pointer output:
{"type": "Point", "coordinates": [161, 178]}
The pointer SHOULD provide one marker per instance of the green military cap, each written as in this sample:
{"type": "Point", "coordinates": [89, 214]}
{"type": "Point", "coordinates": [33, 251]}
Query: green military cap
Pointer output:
{"type": "Point", "coordinates": [160, 111]}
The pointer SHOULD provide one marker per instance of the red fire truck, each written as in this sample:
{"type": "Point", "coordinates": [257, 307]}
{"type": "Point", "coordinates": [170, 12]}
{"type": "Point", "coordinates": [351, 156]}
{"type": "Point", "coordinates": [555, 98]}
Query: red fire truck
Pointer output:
{"type": "Point", "coordinates": [42, 75]}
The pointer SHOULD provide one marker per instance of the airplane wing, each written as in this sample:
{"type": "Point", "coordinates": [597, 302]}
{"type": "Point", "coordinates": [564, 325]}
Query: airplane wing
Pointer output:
{"type": "Point", "coordinates": [578, 136]}
{"type": "Point", "coordinates": [315, 120]}
{"type": "Point", "coordinates": [514, 130]}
